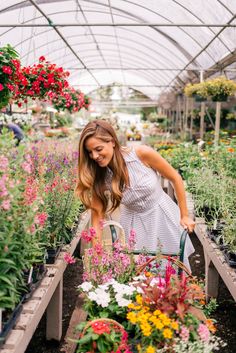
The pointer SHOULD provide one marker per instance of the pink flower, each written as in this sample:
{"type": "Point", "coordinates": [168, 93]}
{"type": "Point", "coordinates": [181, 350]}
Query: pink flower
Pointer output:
{"type": "Point", "coordinates": [4, 163]}
{"type": "Point", "coordinates": [203, 332]}
{"type": "Point", "coordinates": [1, 87]}
{"type": "Point", "coordinates": [87, 236]}
{"type": "Point", "coordinates": [69, 259]}
{"type": "Point", "coordinates": [41, 218]}
{"type": "Point", "coordinates": [27, 167]}
{"type": "Point", "coordinates": [6, 205]}
{"type": "Point", "coordinates": [184, 333]}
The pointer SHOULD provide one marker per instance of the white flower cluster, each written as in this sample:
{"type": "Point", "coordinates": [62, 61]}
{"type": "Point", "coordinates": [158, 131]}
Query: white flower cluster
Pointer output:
{"type": "Point", "coordinates": [102, 294]}
{"type": "Point", "coordinates": [214, 344]}
{"type": "Point", "coordinates": [16, 118]}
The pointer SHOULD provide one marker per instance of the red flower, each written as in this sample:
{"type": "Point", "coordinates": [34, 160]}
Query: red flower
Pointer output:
{"type": "Point", "coordinates": [42, 58]}
{"type": "Point", "coordinates": [100, 328]}
{"type": "Point", "coordinates": [1, 87]}
{"type": "Point", "coordinates": [7, 70]}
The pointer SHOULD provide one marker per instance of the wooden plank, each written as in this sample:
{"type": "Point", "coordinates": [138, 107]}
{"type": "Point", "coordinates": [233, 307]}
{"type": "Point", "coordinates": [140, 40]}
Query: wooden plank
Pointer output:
{"type": "Point", "coordinates": [78, 315]}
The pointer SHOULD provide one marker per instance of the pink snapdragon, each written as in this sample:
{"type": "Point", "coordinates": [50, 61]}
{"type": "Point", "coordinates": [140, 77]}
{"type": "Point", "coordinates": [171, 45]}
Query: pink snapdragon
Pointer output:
{"type": "Point", "coordinates": [69, 259]}
{"type": "Point", "coordinates": [27, 167]}
{"type": "Point", "coordinates": [6, 205]}
{"type": "Point", "coordinates": [203, 332]}
{"type": "Point", "coordinates": [88, 235]}
{"type": "Point", "coordinates": [184, 333]}
{"type": "Point", "coordinates": [41, 218]}
{"type": "Point", "coordinates": [4, 163]}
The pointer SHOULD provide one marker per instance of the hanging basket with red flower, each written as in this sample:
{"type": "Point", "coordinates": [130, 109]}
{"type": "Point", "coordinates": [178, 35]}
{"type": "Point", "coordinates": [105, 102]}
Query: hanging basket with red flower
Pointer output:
{"type": "Point", "coordinates": [9, 72]}
{"type": "Point", "coordinates": [70, 99]}
{"type": "Point", "coordinates": [39, 80]}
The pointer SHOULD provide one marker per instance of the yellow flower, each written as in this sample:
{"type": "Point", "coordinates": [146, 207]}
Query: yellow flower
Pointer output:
{"type": "Point", "coordinates": [167, 333]}
{"type": "Point", "coordinates": [158, 324]}
{"type": "Point", "coordinates": [132, 317]}
{"type": "Point", "coordinates": [175, 325]}
{"type": "Point", "coordinates": [138, 348]}
{"type": "Point", "coordinates": [139, 299]}
{"type": "Point", "coordinates": [150, 349]}
{"type": "Point", "coordinates": [157, 312]}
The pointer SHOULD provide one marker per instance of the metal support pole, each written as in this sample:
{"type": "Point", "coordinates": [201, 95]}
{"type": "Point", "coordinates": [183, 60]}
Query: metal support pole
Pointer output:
{"type": "Point", "coordinates": [217, 123]}
{"type": "Point", "coordinates": [202, 114]}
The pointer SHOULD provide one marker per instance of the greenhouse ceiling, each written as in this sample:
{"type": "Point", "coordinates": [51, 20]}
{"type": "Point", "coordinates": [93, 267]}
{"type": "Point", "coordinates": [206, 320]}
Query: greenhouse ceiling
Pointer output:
{"type": "Point", "coordinates": [149, 45]}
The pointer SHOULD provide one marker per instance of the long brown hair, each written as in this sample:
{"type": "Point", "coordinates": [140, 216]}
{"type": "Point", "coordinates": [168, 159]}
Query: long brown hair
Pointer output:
{"type": "Point", "coordinates": [92, 177]}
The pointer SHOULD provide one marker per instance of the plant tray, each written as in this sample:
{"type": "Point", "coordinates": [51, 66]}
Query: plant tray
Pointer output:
{"type": "Point", "coordinates": [8, 325]}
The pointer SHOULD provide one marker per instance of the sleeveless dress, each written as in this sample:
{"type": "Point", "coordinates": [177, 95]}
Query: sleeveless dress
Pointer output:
{"type": "Point", "coordinates": [149, 211]}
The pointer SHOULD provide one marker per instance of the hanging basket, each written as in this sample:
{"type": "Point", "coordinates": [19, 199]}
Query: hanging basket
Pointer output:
{"type": "Point", "coordinates": [199, 98]}
{"type": "Point", "coordinates": [219, 98]}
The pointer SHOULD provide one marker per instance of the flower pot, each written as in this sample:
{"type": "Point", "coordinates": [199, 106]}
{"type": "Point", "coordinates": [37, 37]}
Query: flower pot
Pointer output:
{"type": "Point", "coordinates": [33, 279]}
{"type": "Point", "coordinates": [219, 98]}
{"type": "Point", "coordinates": [199, 98]}
{"type": "Point", "coordinates": [52, 254]}
{"type": "Point", "coordinates": [230, 257]}
{"type": "Point", "coordinates": [8, 321]}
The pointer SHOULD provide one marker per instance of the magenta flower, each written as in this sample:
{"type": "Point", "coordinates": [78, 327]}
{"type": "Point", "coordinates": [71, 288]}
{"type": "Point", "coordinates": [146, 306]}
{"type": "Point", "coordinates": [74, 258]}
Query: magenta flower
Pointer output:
{"type": "Point", "coordinates": [69, 259]}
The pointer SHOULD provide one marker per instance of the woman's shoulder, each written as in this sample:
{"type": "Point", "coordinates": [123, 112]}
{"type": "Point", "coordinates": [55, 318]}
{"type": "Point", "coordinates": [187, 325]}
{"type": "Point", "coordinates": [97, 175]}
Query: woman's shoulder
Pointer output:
{"type": "Point", "coordinates": [143, 151]}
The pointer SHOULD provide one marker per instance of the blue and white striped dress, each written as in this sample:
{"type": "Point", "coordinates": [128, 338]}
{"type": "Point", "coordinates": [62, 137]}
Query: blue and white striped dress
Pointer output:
{"type": "Point", "coordinates": [148, 210]}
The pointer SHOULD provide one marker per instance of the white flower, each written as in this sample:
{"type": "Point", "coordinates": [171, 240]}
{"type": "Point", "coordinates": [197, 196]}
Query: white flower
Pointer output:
{"type": "Point", "coordinates": [86, 286]}
{"type": "Point", "coordinates": [100, 296]}
{"type": "Point", "coordinates": [121, 301]}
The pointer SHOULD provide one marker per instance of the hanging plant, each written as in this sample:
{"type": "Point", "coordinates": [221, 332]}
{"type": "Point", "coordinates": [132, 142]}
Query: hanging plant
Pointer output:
{"type": "Point", "coordinates": [220, 88]}
{"type": "Point", "coordinates": [197, 91]}
{"type": "Point", "coordinates": [69, 99]}
{"type": "Point", "coordinates": [9, 72]}
{"type": "Point", "coordinates": [38, 80]}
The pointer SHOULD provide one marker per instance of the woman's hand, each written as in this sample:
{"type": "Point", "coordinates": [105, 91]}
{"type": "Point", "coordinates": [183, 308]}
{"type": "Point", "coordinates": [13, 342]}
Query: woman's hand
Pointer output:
{"type": "Point", "coordinates": [187, 223]}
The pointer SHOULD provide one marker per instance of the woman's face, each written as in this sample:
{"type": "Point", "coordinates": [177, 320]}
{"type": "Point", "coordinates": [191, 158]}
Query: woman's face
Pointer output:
{"type": "Point", "coordinates": [100, 151]}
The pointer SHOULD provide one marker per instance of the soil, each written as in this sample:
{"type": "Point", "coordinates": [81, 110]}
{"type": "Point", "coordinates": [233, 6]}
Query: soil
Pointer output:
{"type": "Point", "coordinates": [225, 315]}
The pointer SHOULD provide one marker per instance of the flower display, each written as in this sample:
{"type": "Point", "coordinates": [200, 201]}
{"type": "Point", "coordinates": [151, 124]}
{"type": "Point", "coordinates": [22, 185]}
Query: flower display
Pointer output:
{"type": "Point", "coordinates": [9, 72]}
{"type": "Point", "coordinates": [37, 208]}
{"type": "Point", "coordinates": [159, 310]}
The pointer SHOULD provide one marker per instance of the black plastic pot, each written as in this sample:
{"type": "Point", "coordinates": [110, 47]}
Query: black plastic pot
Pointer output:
{"type": "Point", "coordinates": [52, 254]}
{"type": "Point", "coordinates": [8, 321]}
{"type": "Point", "coordinates": [38, 273]}
{"type": "Point", "coordinates": [230, 257]}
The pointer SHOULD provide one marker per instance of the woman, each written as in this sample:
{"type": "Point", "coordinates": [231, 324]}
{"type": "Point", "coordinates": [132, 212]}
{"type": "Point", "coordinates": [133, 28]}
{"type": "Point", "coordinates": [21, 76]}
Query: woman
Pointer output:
{"type": "Point", "coordinates": [133, 178]}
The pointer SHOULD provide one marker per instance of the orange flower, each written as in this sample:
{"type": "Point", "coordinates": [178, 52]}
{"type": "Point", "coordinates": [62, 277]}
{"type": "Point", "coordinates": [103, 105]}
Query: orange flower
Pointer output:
{"type": "Point", "coordinates": [210, 325]}
{"type": "Point", "coordinates": [230, 149]}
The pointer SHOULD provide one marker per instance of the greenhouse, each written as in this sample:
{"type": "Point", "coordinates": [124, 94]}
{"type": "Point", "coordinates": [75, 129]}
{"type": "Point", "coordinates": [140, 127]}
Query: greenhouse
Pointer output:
{"type": "Point", "coordinates": [117, 176]}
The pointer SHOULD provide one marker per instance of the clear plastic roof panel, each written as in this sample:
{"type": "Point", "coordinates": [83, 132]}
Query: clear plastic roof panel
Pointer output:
{"type": "Point", "coordinates": [148, 45]}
